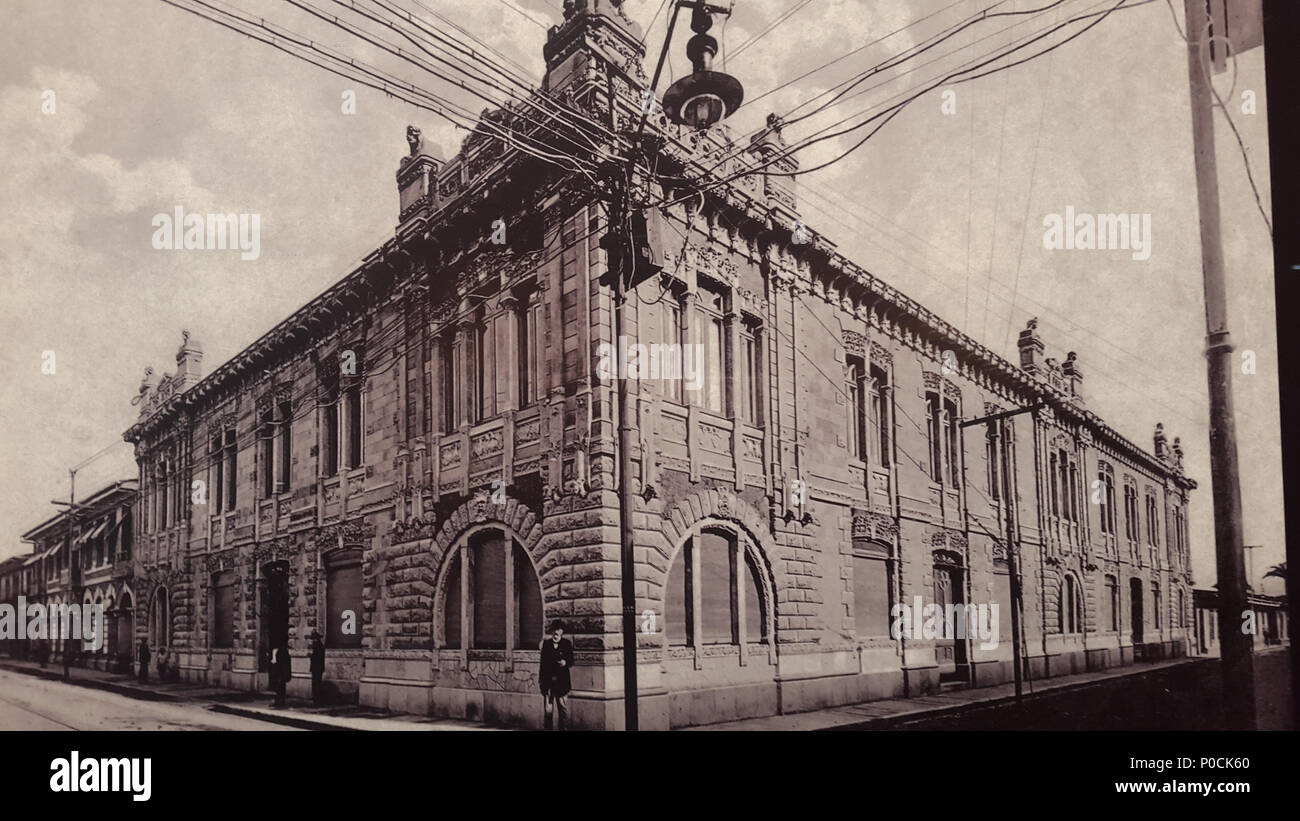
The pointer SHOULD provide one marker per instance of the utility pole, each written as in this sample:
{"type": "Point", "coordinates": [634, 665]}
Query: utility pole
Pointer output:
{"type": "Point", "coordinates": [700, 100]}
{"type": "Point", "coordinates": [1237, 660]}
{"type": "Point", "coordinates": [1000, 438]}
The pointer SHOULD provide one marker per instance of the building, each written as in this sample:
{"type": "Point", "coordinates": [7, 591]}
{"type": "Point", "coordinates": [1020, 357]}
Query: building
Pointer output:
{"type": "Point", "coordinates": [1268, 619]}
{"type": "Point", "coordinates": [421, 462]}
{"type": "Point", "coordinates": [100, 539]}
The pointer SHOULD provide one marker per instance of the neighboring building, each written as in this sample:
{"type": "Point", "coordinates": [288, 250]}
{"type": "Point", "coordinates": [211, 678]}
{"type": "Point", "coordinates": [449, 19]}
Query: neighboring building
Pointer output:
{"type": "Point", "coordinates": [102, 537]}
{"type": "Point", "coordinates": [1269, 620]}
{"type": "Point", "coordinates": [428, 450]}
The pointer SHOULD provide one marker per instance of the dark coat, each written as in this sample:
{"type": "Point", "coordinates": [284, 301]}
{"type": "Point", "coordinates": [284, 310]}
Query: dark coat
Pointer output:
{"type": "Point", "coordinates": [144, 654]}
{"type": "Point", "coordinates": [317, 658]}
{"type": "Point", "coordinates": [281, 667]}
{"type": "Point", "coordinates": [551, 677]}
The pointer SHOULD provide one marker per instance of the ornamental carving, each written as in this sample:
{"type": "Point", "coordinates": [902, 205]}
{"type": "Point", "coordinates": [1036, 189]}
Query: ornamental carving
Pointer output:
{"type": "Point", "coordinates": [414, 530]}
{"type": "Point", "coordinates": [874, 527]}
{"type": "Point", "coordinates": [881, 354]}
{"type": "Point", "coordinates": [855, 343]}
{"type": "Point", "coordinates": [273, 551]}
{"type": "Point", "coordinates": [217, 562]}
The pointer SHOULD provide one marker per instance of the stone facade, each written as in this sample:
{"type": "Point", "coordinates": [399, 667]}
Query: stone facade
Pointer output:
{"type": "Point", "coordinates": [430, 447]}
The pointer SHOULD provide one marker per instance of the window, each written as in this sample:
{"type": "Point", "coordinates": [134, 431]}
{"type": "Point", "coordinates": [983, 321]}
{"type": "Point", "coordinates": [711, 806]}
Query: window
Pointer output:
{"type": "Point", "coordinates": [952, 422]}
{"type": "Point", "coordinates": [1155, 605]}
{"type": "Point", "coordinates": [352, 413]}
{"type": "Point", "coordinates": [343, 598]}
{"type": "Point", "coordinates": [1153, 521]}
{"type": "Point", "coordinates": [126, 543]}
{"type": "Point", "coordinates": [751, 409]}
{"type": "Point", "coordinates": [330, 436]}
{"type": "Point", "coordinates": [216, 469]}
{"type": "Point", "coordinates": [266, 452]}
{"type": "Point", "coordinates": [285, 445]}
{"type": "Point", "coordinates": [871, 595]}
{"type": "Point", "coordinates": [160, 494]}
{"type": "Point", "coordinates": [671, 334]}
{"type": "Point", "coordinates": [1054, 473]}
{"type": "Point", "coordinates": [855, 388]}
{"type": "Point", "coordinates": [529, 367]}
{"type": "Point", "coordinates": [711, 306]}
{"type": "Point", "coordinates": [933, 430]}
{"type": "Point", "coordinates": [993, 456]}
{"type": "Point", "coordinates": [499, 571]}
{"type": "Point", "coordinates": [1107, 498]}
{"type": "Point", "coordinates": [879, 417]}
{"type": "Point", "coordinates": [223, 609]}
{"type": "Point", "coordinates": [1069, 606]}
{"type": "Point", "coordinates": [1112, 599]}
{"type": "Point", "coordinates": [1178, 614]}
{"type": "Point", "coordinates": [484, 398]}
{"type": "Point", "coordinates": [230, 472]}
{"type": "Point", "coordinates": [448, 386]}
{"type": "Point", "coordinates": [714, 565]}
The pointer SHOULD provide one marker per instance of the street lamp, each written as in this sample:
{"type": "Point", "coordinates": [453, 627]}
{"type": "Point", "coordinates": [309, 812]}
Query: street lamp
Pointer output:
{"type": "Point", "coordinates": [704, 97]}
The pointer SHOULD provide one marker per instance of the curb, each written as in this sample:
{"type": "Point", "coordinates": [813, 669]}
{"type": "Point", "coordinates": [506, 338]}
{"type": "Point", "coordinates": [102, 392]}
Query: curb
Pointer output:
{"type": "Point", "coordinates": [889, 722]}
{"type": "Point", "coordinates": [127, 690]}
{"type": "Point", "coordinates": [286, 720]}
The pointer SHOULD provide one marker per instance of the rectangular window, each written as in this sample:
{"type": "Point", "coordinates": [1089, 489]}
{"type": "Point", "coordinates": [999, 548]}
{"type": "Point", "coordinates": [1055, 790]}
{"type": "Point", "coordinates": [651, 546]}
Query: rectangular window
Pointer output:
{"type": "Point", "coordinates": [992, 446]}
{"type": "Point", "coordinates": [217, 478]}
{"type": "Point", "coordinates": [353, 409]}
{"type": "Point", "coordinates": [751, 367]}
{"type": "Point", "coordinates": [450, 417]}
{"type": "Point", "coordinates": [717, 588]}
{"type": "Point", "coordinates": [330, 436]}
{"type": "Point", "coordinates": [871, 600]}
{"type": "Point", "coordinates": [223, 609]}
{"type": "Point", "coordinates": [934, 435]}
{"type": "Point", "coordinates": [232, 463]}
{"type": "Point", "coordinates": [488, 580]}
{"type": "Point", "coordinates": [710, 308]}
{"type": "Point", "coordinates": [343, 599]}
{"type": "Point", "coordinates": [1155, 605]}
{"type": "Point", "coordinates": [855, 389]}
{"type": "Point", "coordinates": [286, 445]}
{"type": "Point", "coordinates": [672, 339]}
{"type": "Point", "coordinates": [952, 420]}
{"type": "Point", "coordinates": [881, 427]}
{"type": "Point", "coordinates": [266, 453]}
{"type": "Point", "coordinates": [484, 396]}
{"type": "Point", "coordinates": [1054, 474]}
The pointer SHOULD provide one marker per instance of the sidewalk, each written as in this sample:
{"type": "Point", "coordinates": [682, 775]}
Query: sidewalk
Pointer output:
{"type": "Point", "coordinates": [255, 705]}
{"type": "Point", "coordinates": [884, 714]}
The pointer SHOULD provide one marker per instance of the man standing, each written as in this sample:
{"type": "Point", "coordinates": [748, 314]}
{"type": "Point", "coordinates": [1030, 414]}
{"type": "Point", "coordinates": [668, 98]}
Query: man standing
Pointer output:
{"type": "Point", "coordinates": [317, 667]}
{"type": "Point", "coordinates": [280, 671]}
{"type": "Point", "coordinates": [553, 675]}
{"type": "Point", "coordinates": [144, 661]}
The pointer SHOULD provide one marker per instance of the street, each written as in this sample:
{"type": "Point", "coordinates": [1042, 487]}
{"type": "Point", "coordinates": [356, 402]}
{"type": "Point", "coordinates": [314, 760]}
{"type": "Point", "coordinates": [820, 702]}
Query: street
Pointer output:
{"type": "Point", "coordinates": [30, 703]}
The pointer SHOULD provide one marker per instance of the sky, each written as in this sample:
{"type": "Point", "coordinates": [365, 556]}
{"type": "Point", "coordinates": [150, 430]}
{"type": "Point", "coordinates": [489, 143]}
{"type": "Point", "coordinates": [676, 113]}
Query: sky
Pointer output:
{"type": "Point", "coordinates": [155, 108]}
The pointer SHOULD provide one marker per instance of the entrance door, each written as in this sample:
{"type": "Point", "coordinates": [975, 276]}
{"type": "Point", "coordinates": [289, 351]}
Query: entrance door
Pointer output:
{"type": "Point", "coordinates": [273, 619]}
{"type": "Point", "coordinates": [949, 650]}
{"type": "Point", "coordinates": [1135, 612]}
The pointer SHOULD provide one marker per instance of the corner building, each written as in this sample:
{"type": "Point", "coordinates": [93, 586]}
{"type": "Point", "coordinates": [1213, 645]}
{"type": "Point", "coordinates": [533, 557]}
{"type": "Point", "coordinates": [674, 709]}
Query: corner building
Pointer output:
{"type": "Point", "coordinates": [428, 449]}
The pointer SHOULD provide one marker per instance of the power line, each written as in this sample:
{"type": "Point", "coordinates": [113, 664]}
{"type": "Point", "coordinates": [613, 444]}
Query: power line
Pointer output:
{"type": "Point", "coordinates": [778, 21]}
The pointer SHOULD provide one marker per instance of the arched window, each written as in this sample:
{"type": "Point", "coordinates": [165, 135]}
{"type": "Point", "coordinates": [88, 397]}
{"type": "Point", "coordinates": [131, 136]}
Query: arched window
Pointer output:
{"type": "Point", "coordinates": [714, 595]}
{"type": "Point", "coordinates": [491, 595]}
